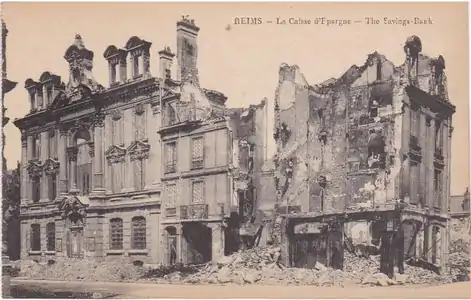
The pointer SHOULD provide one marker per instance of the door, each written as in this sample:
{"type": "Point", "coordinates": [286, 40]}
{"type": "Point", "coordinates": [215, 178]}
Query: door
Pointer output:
{"type": "Point", "coordinates": [74, 241]}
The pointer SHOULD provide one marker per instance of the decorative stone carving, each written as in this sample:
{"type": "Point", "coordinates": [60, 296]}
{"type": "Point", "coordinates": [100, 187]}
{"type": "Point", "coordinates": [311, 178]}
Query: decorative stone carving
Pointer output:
{"type": "Point", "coordinates": [115, 114]}
{"type": "Point", "coordinates": [139, 109]}
{"type": "Point", "coordinates": [71, 208]}
{"type": "Point", "coordinates": [34, 168]}
{"type": "Point", "coordinates": [98, 120]}
{"type": "Point", "coordinates": [72, 153]}
{"type": "Point", "coordinates": [115, 154]}
{"type": "Point", "coordinates": [51, 166]}
{"type": "Point", "coordinates": [24, 139]}
{"type": "Point", "coordinates": [81, 125]}
{"type": "Point", "coordinates": [63, 131]}
{"type": "Point", "coordinates": [139, 150]}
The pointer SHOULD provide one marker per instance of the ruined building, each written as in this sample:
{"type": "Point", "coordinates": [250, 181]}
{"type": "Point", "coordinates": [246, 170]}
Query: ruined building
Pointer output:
{"type": "Point", "coordinates": [155, 169]}
{"type": "Point", "coordinates": [363, 159]}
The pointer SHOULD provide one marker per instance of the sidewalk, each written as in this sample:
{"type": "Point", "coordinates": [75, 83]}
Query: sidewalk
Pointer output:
{"type": "Point", "coordinates": [153, 290]}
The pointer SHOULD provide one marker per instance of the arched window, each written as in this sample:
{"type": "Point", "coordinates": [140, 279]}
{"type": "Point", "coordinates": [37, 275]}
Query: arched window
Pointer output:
{"type": "Point", "coordinates": [116, 234]}
{"type": "Point", "coordinates": [51, 237]}
{"type": "Point", "coordinates": [138, 233]}
{"type": "Point", "coordinates": [35, 237]}
{"type": "Point", "coordinates": [84, 162]}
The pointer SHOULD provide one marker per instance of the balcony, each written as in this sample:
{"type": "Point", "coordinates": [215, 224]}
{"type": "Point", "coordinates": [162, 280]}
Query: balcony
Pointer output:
{"type": "Point", "coordinates": [194, 212]}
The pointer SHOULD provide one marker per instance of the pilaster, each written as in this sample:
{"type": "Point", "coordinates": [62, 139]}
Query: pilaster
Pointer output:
{"type": "Point", "coordinates": [23, 170]}
{"type": "Point", "coordinates": [43, 155]}
{"type": "Point", "coordinates": [98, 159]}
{"type": "Point", "coordinates": [217, 241]}
{"type": "Point", "coordinates": [62, 152]}
{"type": "Point", "coordinates": [72, 153]}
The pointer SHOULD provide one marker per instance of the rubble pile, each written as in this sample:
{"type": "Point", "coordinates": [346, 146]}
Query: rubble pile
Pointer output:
{"type": "Point", "coordinates": [459, 257]}
{"type": "Point", "coordinates": [75, 269]}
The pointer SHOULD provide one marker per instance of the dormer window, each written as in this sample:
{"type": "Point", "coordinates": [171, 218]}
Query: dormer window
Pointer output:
{"type": "Point", "coordinates": [135, 66]}
{"type": "Point", "coordinates": [32, 100]}
{"type": "Point", "coordinates": [48, 96]}
{"type": "Point", "coordinates": [112, 73]}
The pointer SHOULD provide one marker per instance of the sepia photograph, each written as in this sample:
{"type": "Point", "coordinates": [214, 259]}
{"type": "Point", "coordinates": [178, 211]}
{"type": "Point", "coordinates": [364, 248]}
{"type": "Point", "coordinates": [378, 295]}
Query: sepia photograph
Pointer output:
{"type": "Point", "coordinates": [235, 150]}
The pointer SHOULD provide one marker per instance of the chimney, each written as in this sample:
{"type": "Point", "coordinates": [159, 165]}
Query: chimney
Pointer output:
{"type": "Point", "coordinates": [165, 62]}
{"type": "Point", "coordinates": [187, 49]}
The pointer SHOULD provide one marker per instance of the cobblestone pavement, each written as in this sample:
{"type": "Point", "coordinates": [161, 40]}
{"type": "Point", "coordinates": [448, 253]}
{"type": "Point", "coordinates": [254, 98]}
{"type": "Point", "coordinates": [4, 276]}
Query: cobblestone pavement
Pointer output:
{"type": "Point", "coordinates": [152, 290]}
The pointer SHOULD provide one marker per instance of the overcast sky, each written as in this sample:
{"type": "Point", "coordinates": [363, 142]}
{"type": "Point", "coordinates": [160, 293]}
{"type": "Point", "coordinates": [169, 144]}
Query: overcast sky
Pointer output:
{"type": "Point", "coordinates": [241, 62]}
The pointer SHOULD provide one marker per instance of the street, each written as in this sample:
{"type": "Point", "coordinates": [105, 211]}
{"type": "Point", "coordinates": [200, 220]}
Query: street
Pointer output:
{"type": "Point", "coordinates": [152, 290]}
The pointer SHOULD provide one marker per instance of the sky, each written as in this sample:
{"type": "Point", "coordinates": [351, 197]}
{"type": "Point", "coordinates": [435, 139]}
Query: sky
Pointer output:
{"type": "Point", "coordinates": [242, 61]}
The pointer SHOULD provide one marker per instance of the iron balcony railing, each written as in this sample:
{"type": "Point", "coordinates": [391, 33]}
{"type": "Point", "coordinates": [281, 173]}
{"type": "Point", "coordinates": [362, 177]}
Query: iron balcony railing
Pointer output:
{"type": "Point", "coordinates": [194, 211]}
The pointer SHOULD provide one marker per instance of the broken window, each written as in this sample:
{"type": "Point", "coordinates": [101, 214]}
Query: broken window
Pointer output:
{"type": "Point", "coordinates": [138, 233]}
{"type": "Point", "coordinates": [171, 116]}
{"type": "Point", "coordinates": [378, 69]}
{"type": "Point", "coordinates": [35, 237]}
{"type": "Point", "coordinates": [36, 146]}
{"type": "Point", "coordinates": [51, 237]}
{"type": "Point", "coordinates": [116, 234]}
{"type": "Point", "coordinates": [376, 150]}
{"type": "Point", "coordinates": [373, 109]}
{"type": "Point", "coordinates": [52, 151]}
{"type": "Point", "coordinates": [197, 153]}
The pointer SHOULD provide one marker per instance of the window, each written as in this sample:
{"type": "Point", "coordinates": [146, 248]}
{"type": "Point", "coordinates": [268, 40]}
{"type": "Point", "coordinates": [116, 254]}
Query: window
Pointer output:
{"type": "Point", "coordinates": [116, 234]}
{"type": "Point", "coordinates": [36, 189]}
{"type": "Point", "coordinates": [438, 135]}
{"type": "Point", "coordinates": [171, 117]}
{"type": "Point", "coordinates": [135, 66]}
{"type": "Point", "coordinates": [112, 73]}
{"type": "Point", "coordinates": [415, 122]}
{"type": "Point", "coordinates": [49, 96]}
{"type": "Point", "coordinates": [197, 192]}
{"type": "Point", "coordinates": [32, 99]}
{"type": "Point", "coordinates": [35, 237]}
{"type": "Point", "coordinates": [138, 233]}
{"type": "Point", "coordinates": [437, 188]}
{"type": "Point", "coordinates": [139, 174]}
{"type": "Point", "coordinates": [170, 157]}
{"type": "Point", "coordinates": [171, 195]}
{"type": "Point", "coordinates": [52, 187]}
{"type": "Point", "coordinates": [51, 237]}
{"type": "Point", "coordinates": [36, 150]}
{"type": "Point", "coordinates": [197, 153]}
{"type": "Point", "coordinates": [51, 151]}
{"type": "Point", "coordinates": [139, 124]}
{"type": "Point", "coordinates": [378, 69]}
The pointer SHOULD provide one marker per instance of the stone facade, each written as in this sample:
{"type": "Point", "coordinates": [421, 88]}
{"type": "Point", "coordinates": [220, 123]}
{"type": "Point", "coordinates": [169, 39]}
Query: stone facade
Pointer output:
{"type": "Point", "coordinates": [128, 170]}
{"type": "Point", "coordinates": [370, 150]}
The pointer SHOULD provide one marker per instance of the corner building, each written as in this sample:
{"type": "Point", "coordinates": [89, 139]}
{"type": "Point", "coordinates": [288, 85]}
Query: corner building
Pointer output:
{"type": "Point", "coordinates": [140, 169]}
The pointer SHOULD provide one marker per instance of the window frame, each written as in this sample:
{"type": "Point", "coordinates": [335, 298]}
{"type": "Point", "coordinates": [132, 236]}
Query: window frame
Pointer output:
{"type": "Point", "coordinates": [116, 234]}
{"type": "Point", "coordinates": [35, 237]}
{"type": "Point", "coordinates": [192, 190]}
{"type": "Point", "coordinates": [197, 162]}
{"type": "Point", "coordinates": [138, 231]}
{"type": "Point", "coordinates": [51, 236]}
{"type": "Point", "coordinates": [170, 167]}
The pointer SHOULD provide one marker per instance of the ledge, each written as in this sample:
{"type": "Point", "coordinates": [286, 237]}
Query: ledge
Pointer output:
{"type": "Point", "coordinates": [114, 252]}
{"type": "Point", "coordinates": [138, 251]}
{"type": "Point", "coordinates": [31, 252]}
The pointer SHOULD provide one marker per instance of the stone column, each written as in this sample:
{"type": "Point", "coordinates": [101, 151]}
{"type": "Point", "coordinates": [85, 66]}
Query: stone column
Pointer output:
{"type": "Point", "coordinates": [98, 175]}
{"type": "Point", "coordinates": [62, 152]}
{"type": "Point", "coordinates": [44, 155]}
{"type": "Point", "coordinates": [23, 170]}
{"type": "Point", "coordinates": [72, 153]}
{"type": "Point", "coordinates": [217, 241]}
{"type": "Point", "coordinates": [431, 168]}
